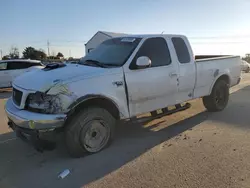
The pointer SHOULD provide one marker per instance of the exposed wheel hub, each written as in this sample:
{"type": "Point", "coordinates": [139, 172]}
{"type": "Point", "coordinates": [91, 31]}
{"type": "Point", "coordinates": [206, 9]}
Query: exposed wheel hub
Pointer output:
{"type": "Point", "coordinates": [96, 137]}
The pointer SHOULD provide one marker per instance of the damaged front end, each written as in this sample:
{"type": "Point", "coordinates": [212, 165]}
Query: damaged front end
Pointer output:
{"type": "Point", "coordinates": [43, 115]}
{"type": "Point", "coordinates": [55, 100]}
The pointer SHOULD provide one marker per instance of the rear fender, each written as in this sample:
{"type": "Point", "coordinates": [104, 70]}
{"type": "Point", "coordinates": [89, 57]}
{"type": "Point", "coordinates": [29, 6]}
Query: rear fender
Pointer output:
{"type": "Point", "coordinates": [220, 75]}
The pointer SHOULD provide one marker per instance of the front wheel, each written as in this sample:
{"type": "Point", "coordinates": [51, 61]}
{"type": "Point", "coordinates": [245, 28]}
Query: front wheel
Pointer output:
{"type": "Point", "coordinates": [218, 99]}
{"type": "Point", "coordinates": [90, 131]}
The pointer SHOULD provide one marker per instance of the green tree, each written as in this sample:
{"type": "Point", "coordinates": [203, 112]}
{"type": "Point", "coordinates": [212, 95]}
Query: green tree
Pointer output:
{"type": "Point", "coordinates": [32, 53]}
{"type": "Point", "coordinates": [6, 57]}
{"type": "Point", "coordinates": [29, 53]}
{"type": "Point", "coordinates": [59, 55]}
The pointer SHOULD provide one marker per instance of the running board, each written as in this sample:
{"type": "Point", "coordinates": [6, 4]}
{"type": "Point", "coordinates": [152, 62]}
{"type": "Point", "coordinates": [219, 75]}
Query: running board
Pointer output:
{"type": "Point", "coordinates": [166, 111]}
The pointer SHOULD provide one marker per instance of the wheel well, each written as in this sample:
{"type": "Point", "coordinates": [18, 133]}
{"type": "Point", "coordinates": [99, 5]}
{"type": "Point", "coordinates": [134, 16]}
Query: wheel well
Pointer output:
{"type": "Point", "coordinates": [222, 77]}
{"type": "Point", "coordinates": [99, 102]}
{"type": "Point", "coordinates": [225, 78]}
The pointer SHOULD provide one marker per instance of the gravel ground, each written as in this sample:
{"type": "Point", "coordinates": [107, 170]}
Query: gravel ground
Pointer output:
{"type": "Point", "coordinates": [192, 148]}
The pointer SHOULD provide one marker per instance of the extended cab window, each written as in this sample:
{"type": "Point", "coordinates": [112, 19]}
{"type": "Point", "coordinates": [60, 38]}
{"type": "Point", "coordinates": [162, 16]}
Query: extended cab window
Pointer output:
{"type": "Point", "coordinates": [156, 50]}
{"type": "Point", "coordinates": [181, 50]}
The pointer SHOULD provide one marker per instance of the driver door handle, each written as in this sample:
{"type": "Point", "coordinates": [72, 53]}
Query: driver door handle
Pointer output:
{"type": "Point", "coordinates": [173, 74]}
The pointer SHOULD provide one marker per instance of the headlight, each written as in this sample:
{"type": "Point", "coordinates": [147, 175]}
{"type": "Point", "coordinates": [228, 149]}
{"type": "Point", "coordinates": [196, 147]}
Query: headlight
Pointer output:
{"type": "Point", "coordinates": [44, 103]}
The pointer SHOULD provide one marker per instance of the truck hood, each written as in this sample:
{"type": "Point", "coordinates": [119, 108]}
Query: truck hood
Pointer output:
{"type": "Point", "coordinates": [42, 80]}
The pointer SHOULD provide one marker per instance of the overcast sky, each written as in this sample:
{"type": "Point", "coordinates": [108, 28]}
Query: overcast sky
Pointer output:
{"type": "Point", "coordinates": [214, 26]}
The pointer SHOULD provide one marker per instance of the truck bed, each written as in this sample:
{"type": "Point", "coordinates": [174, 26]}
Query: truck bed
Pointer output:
{"type": "Point", "coordinates": [212, 68]}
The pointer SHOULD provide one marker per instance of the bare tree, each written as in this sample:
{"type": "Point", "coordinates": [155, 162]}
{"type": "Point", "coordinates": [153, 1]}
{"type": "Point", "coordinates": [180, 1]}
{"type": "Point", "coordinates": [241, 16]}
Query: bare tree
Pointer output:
{"type": "Point", "coordinates": [14, 53]}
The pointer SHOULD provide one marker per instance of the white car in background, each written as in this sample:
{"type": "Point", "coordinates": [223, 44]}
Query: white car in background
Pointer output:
{"type": "Point", "coordinates": [245, 66]}
{"type": "Point", "coordinates": [10, 69]}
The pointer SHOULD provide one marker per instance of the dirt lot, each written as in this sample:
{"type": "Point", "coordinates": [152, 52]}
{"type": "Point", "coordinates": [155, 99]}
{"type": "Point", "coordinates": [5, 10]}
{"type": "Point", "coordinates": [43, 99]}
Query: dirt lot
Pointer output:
{"type": "Point", "coordinates": [192, 148]}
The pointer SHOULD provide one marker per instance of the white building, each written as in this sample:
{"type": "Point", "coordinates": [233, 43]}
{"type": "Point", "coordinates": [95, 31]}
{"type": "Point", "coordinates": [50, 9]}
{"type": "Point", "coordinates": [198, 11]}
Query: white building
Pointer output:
{"type": "Point", "coordinates": [98, 38]}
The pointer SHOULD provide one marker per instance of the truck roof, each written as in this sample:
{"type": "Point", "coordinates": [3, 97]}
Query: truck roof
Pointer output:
{"type": "Point", "coordinates": [20, 60]}
{"type": "Point", "coordinates": [153, 35]}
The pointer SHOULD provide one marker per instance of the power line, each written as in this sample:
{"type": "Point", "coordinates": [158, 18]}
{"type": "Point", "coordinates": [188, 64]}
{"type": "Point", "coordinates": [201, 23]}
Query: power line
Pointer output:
{"type": "Point", "coordinates": [48, 47]}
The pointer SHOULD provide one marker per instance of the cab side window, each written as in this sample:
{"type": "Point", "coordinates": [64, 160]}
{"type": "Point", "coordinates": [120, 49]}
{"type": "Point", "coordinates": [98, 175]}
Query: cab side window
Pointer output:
{"type": "Point", "coordinates": [20, 65]}
{"type": "Point", "coordinates": [181, 50]}
{"type": "Point", "coordinates": [156, 50]}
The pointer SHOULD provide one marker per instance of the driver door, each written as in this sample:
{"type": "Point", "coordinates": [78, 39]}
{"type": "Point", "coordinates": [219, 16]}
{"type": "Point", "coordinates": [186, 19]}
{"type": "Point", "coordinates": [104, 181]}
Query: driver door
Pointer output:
{"type": "Point", "coordinates": [153, 87]}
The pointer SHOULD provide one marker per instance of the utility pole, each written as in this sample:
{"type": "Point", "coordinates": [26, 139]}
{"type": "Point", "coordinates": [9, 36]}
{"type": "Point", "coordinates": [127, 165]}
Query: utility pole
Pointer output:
{"type": "Point", "coordinates": [1, 52]}
{"type": "Point", "coordinates": [69, 53]}
{"type": "Point", "coordinates": [48, 43]}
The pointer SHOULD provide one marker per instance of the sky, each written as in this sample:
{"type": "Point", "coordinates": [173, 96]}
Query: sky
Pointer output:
{"type": "Point", "coordinates": [212, 26]}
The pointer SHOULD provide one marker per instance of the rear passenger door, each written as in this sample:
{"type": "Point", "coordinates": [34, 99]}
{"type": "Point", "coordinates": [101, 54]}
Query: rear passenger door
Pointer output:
{"type": "Point", "coordinates": [187, 69]}
{"type": "Point", "coordinates": [153, 87]}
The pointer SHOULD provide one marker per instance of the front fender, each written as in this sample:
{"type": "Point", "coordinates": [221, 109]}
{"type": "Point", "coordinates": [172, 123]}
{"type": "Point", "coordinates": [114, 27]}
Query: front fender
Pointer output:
{"type": "Point", "coordinates": [91, 98]}
{"type": "Point", "coordinates": [88, 97]}
{"type": "Point", "coordinates": [71, 94]}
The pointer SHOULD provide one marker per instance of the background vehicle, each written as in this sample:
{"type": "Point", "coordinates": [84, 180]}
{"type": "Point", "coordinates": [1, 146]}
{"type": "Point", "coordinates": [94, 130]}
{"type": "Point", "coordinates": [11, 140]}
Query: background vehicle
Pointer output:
{"type": "Point", "coordinates": [245, 66]}
{"type": "Point", "coordinates": [122, 78]}
{"type": "Point", "coordinates": [10, 69]}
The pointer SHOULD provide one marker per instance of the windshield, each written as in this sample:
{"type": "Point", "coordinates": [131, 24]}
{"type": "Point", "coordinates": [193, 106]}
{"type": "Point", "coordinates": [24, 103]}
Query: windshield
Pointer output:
{"type": "Point", "coordinates": [112, 52]}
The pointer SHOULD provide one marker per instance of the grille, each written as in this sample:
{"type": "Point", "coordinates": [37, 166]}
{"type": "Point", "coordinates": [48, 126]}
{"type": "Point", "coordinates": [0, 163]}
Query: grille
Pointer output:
{"type": "Point", "coordinates": [17, 96]}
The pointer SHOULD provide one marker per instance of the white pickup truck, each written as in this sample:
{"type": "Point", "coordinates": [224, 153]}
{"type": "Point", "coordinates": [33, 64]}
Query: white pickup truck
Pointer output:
{"type": "Point", "coordinates": [122, 78]}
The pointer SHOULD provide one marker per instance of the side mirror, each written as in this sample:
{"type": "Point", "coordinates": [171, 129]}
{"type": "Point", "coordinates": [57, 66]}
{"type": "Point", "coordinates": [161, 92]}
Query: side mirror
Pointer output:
{"type": "Point", "coordinates": [143, 62]}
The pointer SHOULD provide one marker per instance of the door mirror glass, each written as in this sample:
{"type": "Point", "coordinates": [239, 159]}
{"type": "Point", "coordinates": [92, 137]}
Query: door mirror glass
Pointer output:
{"type": "Point", "coordinates": [143, 62]}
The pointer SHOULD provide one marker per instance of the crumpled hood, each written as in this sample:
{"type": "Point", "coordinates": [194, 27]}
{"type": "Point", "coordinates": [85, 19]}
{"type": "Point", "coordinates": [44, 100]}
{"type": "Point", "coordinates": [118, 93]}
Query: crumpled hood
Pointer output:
{"type": "Point", "coordinates": [41, 80]}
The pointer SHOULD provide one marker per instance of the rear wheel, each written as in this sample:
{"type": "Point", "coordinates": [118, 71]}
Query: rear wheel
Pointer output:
{"type": "Point", "coordinates": [90, 131]}
{"type": "Point", "coordinates": [248, 69]}
{"type": "Point", "coordinates": [218, 99]}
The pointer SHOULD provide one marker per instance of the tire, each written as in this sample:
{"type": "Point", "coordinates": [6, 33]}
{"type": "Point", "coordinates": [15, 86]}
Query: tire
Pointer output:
{"type": "Point", "coordinates": [218, 99]}
{"type": "Point", "coordinates": [247, 71]}
{"type": "Point", "coordinates": [89, 127]}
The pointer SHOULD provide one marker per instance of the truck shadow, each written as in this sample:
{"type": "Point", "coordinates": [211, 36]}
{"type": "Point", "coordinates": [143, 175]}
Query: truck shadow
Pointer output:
{"type": "Point", "coordinates": [23, 167]}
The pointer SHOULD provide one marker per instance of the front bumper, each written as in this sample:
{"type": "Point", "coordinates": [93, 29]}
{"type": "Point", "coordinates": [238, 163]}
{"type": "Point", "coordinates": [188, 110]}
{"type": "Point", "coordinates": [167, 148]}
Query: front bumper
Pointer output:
{"type": "Point", "coordinates": [35, 137]}
{"type": "Point", "coordinates": [30, 120]}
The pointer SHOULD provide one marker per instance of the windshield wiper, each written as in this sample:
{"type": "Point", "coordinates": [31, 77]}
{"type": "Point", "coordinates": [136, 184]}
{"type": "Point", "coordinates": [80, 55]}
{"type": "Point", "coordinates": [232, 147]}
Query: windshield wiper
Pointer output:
{"type": "Point", "coordinates": [93, 62]}
{"type": "Point", "coordinates": [112, 65]}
